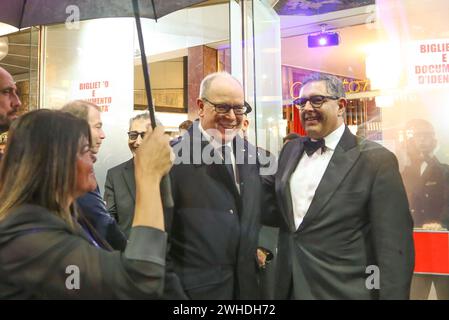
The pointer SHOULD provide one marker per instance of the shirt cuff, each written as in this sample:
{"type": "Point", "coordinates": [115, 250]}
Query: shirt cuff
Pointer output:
{"type": "Point", "coordinates": [147, 244]}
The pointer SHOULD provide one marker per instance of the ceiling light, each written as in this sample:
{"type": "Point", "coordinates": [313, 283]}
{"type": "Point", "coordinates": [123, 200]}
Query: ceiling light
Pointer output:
{"type": "Point", "coordinates": [325, 39]}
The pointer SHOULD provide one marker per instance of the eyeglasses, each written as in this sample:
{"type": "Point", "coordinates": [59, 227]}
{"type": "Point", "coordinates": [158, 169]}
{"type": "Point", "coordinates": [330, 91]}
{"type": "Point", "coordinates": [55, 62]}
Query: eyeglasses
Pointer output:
{"type": "Point", "coordinates": [224, 108]}
{"type": "Point", "coordinates": [133, 135]}
{"type": "Point", "coordinates": [316, 101]}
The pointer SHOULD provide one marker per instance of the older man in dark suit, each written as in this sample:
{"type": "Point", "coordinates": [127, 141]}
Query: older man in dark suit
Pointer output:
{"type": "Point", "coordinates": [346, 229]}
{"type": "Point", "coordinates": [217, 192]}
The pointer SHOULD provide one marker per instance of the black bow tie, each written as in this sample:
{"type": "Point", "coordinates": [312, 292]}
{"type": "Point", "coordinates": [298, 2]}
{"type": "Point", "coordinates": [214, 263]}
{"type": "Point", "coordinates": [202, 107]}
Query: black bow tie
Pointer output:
{"type": "Point", "coordinates": [311, 146]}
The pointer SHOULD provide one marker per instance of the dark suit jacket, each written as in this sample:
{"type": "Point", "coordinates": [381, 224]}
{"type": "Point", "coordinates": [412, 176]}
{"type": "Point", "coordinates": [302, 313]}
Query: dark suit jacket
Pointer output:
{"type": "Point", "coordinates": [213, 229]}
{"type": "Point", "coordinates": [120, 194]}
{"type": "Point", "coordinates": [358, 217]}
{"type": "Point", "coordinates": [36, 247]}
{"type": "Point", "coordinates": [428, 193]}
{"type": "Point", "coordinates": [92, 207]}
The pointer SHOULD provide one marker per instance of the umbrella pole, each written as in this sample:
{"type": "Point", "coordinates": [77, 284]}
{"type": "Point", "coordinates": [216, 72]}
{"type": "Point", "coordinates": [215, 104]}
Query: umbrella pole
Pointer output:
{"type": "Point", "coordinates": [166, 194]}
{"type": "Point", "coordinates": [143, 57]}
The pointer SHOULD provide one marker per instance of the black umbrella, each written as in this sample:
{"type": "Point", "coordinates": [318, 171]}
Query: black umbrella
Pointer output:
{"type": "Point", "coordinates": [27, 13]}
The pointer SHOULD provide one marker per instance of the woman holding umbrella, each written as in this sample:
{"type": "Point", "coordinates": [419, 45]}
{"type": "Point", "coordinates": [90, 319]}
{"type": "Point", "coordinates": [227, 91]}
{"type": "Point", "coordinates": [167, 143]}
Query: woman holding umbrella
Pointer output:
{"type": "Point", "coordinates": [44, 252]}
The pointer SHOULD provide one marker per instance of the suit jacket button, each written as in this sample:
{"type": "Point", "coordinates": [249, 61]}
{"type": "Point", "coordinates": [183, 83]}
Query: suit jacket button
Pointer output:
{"type": "Point", "coordinates": [231, 211]}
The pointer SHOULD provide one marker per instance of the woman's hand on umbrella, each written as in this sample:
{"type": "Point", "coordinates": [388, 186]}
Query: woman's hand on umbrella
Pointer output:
{"type": "Point", "coordinates": [154, 157]}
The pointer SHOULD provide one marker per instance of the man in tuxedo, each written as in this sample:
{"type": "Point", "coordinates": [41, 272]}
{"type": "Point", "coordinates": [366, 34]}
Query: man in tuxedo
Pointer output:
{"type": "Point", "coordinates": [346, 229]}
{"type": "Point", "coordinates": [217, 192]}
{"type": "Point", "coordinates": [120, 185]}
{"type": "Point", "coordinates": [9, 100]}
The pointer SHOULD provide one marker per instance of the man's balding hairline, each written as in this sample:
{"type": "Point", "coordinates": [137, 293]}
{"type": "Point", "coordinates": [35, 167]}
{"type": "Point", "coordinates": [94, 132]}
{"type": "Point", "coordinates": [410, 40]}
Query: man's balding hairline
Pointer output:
{"type": "Point", "coordinates": [207, 81]}
{"type": "Point", "coordinates": [80, 108]}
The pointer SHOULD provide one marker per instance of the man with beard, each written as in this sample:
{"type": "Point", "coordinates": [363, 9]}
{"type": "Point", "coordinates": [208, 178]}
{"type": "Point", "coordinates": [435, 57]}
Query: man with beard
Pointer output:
{"type": "Point", "coordinates": [217, 192]}
{"type": "Point", "coordinates": [345, 224]}
{"type": "Point", "coordinates": [9, 100]}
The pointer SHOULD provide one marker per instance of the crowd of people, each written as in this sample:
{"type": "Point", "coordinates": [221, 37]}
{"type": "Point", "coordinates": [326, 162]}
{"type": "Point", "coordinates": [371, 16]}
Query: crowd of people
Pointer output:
{"type": "Point", "coordinates": [339, 201]}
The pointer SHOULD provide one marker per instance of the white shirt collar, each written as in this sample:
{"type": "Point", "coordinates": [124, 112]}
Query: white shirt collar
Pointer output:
{"type": "Point", "coordinates": [216, 144]}
{"type": "Point", "coordinates": [334, 137]}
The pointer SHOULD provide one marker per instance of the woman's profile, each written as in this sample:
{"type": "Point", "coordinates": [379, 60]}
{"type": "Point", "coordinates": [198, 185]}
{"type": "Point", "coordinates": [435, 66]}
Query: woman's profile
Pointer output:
{"type": "Point", "coordinates": [44, 252]}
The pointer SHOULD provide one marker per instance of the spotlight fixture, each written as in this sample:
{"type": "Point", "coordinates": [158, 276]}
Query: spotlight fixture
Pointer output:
{"type": "Point", "coordinates": [323, 39]}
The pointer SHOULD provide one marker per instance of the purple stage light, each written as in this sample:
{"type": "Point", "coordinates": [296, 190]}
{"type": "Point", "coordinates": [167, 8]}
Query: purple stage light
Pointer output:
{"type": "Point", "coordinates": [323, 39]}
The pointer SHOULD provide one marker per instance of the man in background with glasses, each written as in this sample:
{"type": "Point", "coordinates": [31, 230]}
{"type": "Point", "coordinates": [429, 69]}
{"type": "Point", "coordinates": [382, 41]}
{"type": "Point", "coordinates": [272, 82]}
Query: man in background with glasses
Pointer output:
{"type": "Point", "coordinates": [120, 185]}
{"type": "Point", "coordinates": [345, 225]}
{"type": "Point", "coordinates": [218, 194]}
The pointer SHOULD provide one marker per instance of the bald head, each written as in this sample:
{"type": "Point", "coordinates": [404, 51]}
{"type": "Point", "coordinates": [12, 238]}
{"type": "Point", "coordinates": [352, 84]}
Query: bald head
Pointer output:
{"type": "Point", "coordinates": [9, 100]}
{"type": "Point", "coordinates": [220, 89]}
{"type": "Point", "coordinates": [218, 78]}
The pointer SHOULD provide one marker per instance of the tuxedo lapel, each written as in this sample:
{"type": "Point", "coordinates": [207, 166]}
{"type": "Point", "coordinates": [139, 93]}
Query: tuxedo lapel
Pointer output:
{"type": "Point", "coordinates": [432, 171]}
{"type": "Point", "coordinates": [283, 188]}
{"type": "Point", "coordinates": [344, 157]}
{"type": "Point", "coordinates": [128, 176]}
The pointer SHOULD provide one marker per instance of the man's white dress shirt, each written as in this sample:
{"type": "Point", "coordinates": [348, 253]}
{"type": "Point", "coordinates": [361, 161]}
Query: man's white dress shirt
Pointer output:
{"type": "Point", "coordinates": [308, 174]}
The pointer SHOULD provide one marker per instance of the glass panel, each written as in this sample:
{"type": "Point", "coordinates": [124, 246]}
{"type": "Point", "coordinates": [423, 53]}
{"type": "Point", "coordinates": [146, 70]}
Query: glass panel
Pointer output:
{"type": "Point", "coordinates": [235, 26]}
{"type": "Point", "coordinates": [177, 47]}
{"type": "Point", "coordinates": [94, 62]}
{"type": "Point", "coordinates": [262, 67]}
